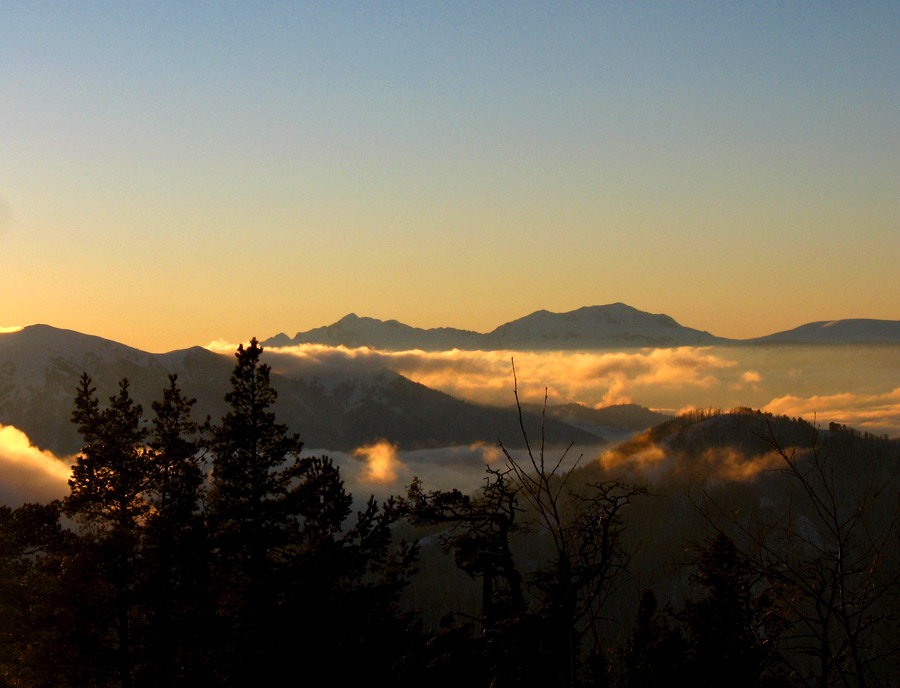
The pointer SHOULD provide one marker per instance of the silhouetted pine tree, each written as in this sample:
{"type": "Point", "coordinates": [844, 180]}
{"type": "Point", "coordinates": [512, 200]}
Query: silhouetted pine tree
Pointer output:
{"type": "Point", "coordinates": [254, 460]}
{"type": "Point", "coordinates": [656, 653]}
{"type": "Point", "coordinates": [112, 470]}
{"type": "Point", "coordinates": [296, 585]}
{"type": "Point", "coordinates": [108, 482]}
{"type": "Point", "coordinates": [176, 547]}
{"type": "Point", "coordinates": [726, 623]}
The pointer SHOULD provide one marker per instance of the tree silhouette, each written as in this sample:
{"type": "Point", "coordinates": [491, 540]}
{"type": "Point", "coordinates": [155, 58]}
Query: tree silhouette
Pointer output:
{"type": "Point", "coordinates": [108, 483]}
{"type": "Point", "coordinates": [111, 472]}
{"type": "Point", "coordinates": [831, 558]}
{"type": "Point", "coordinates": [481, 528]}
{"type": "Point", "coordinates": [292, 579]}
{"type": "Point", "coordinates": [254, 460]}
{"type": "Point", "coordinates": [731, 639]}
{"type": "Point", "coordinates": [656, 652]}
{"type": "Point", "coordinates": [175, 542]}
{"type": "Point", "coordinates": [587, 561]}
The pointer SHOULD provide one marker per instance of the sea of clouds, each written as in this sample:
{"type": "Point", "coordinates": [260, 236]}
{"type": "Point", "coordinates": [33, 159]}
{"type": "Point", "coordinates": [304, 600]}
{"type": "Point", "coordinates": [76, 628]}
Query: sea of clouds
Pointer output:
{"type": "Point", "coordinates": [853, 385]}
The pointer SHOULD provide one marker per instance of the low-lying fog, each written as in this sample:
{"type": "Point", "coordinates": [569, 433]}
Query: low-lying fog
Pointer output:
{"type": "Point", "coordinates": [858, 385]}
{"type": "Point", "coordinates": [851, 384]}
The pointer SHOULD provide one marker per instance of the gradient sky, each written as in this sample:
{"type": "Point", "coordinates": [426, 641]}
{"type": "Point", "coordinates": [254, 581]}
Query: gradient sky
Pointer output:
{"type": "Point", "coordinates": [172, 173]}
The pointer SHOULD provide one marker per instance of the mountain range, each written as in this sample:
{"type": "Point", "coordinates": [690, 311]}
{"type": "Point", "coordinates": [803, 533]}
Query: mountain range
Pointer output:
{"type": "Point", "coordinates": [614, 325]}
{"type": "Point", "coordinates": [331, 409]}
{"type": "Point", "coordinates": [340, 409]}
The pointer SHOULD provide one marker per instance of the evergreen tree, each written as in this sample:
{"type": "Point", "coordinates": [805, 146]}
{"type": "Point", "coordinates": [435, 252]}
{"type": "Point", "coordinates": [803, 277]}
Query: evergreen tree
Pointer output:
{"type": "Point", "coordinates": [176, 477]}
{"type": "Point", "coordinates": [254, 460]}
{"type": "Point", "coordinates": [656, 652]}
{"type": "Point", "coordinates": [294, 583]}
{"type": "Point", "coordinates": [111, 472]}
{"type": "Point", "coordinates": [107, 497]}
{"type": "Point", "coordinates": [175, 543]}
{"type": "Point", "coordinates": [727, 623]}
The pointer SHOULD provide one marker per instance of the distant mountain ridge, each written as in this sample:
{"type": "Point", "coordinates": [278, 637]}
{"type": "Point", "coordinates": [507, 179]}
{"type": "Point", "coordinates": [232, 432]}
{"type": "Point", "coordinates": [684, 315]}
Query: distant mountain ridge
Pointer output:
{"type": "Point", "coordinates": [353, 331]}
{"type": "Point", "coordinates": [612, 325]}
{"type": "Point", "coordinates": [615, 325]}
{"type": "Point", "coordinates": [850, 331]}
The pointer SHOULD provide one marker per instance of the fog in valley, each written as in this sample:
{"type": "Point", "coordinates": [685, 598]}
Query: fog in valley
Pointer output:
{"type": "Point", "coordinates": [857, 385]}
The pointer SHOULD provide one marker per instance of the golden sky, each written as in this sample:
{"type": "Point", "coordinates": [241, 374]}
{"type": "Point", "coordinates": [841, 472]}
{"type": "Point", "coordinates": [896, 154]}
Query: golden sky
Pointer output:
{"type": "Point", "coordinates": [171, 174]}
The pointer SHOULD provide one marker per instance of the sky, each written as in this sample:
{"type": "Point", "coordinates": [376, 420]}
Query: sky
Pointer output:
{"type": "Point", "coordinates": [173, 173]}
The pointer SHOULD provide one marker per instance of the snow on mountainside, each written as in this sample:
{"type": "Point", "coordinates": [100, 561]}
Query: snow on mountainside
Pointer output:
{"type": "Point", "coordinates": [595, 327]}
{"type": "Point", "coordinates": [40, 367]}
{"type": "Point", "coordinates": [329, 406]}
{"type": "Point", "coordinates": [851, 331]}
{"type": "Point", "coordinates": [39, 352]}
{"type": "Point", "coordinates": [592, 327]}
{"type": "Point", "coordinates": [354, 331]}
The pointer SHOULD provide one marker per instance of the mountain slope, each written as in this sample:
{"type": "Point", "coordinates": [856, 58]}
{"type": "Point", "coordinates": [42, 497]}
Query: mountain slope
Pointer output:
{"type": "Point", "coordinates": [596, 327]}
{"type": "Point", "coordinates": [331, 409]}
{"type": "Point", "coordinates": [40, 367]}
{"type": "Point", "coordinates": [354, 331]}
{"type": "Point", "coordinates": [851, 331]}
{"type": "Point", "coordinates": [615, 419]}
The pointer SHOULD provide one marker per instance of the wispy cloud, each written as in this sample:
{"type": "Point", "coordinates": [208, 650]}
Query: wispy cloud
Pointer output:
{"type": "Point", "coordinates": [654, 462]}
{"type": "Point", "coordinates": [796, 382]}
{"type": "Point", "coordinates": [223, 346]}
{"type": "Point", "coordinates": [381, 462]}
{"type": "Point", "coordinates": [877, 413]}
{"type": "Point", "coordinates": [600, 378]}
{"type": "Point", "coordinates": [27, 473]}
{"type": "Point", "coordinates": [382, 469]}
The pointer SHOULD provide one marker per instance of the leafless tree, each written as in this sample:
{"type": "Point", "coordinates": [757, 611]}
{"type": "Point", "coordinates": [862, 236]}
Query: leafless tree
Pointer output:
{"type": "Point", "coordinates": [585, 527]}
{"type": "Point", "coordinates": [831, 559]}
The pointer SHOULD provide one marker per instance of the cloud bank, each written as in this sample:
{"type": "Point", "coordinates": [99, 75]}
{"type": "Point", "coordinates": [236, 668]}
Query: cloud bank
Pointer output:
{"type": "Point", "coordinates": [797, 381]}
{"type": "Point", "coordinates": [593, 378]}
{"type": "Point", "coordinates": [656, 462]}
{"type": "Point", "coordinates": [875, 413]}
{"type": "Point", "coordinates": [381, 462]}
{"type": "Point", "coordinates": [28, 474]}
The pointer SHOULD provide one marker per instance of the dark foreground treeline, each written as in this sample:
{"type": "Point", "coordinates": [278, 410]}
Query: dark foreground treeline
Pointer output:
{"type": "Point", "coordinates": [216, 555]}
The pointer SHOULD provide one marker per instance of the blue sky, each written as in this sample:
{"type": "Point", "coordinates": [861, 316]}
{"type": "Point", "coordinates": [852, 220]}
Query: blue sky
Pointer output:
{"type": "Point", "coordinates": [172, 173]}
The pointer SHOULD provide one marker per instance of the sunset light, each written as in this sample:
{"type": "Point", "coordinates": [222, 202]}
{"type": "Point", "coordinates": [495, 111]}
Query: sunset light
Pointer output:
{"type": "Point", "coordinates": [732, 166]}
{"type": "Point", "coordinates": [490, 344]}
